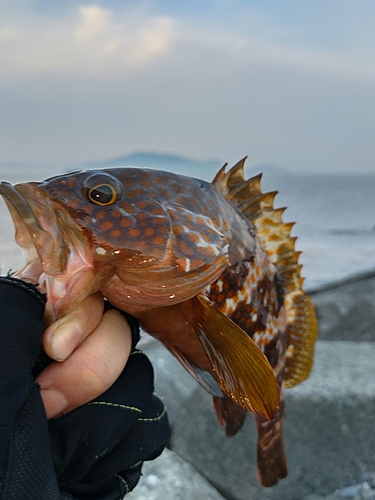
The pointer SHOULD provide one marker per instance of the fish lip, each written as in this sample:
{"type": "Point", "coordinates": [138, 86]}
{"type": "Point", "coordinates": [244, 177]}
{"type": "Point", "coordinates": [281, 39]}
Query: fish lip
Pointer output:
{"type": "Point", "coordinates": [50, 244]}
{"type": "Point", "coordinates": [16, 201]}
{"type": "Point", "coordinates": [26, 227]}
{"type": "Point", "coordinates": [24, 202]}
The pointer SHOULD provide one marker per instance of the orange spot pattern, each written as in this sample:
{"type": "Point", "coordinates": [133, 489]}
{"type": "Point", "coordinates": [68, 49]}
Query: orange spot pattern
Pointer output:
{"type": "Point", "coordinates": [105, 226]}
{"type": "Point", "coordinates": [157, 214]}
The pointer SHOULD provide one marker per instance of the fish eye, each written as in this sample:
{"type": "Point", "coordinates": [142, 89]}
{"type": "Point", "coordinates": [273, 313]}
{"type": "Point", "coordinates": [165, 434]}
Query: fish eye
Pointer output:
{"type": "Point", "coordinates": [102, 190]}
{"type": "Point", "coordinates": [103, 195]}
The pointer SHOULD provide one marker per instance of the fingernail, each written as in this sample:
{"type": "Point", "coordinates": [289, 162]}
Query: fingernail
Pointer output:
{"type": "Point", "coordinates": [54, 402]}
{"type": "Point", "coordinates": [64, 341]}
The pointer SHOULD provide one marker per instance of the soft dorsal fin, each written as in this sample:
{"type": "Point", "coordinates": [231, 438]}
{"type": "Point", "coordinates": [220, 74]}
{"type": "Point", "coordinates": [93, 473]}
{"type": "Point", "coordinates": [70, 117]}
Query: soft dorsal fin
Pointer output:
{"type": "Point", "coordinates": [275, 237]}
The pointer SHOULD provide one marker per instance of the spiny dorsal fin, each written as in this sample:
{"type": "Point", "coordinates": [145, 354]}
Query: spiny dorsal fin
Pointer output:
{"type": "Point", "coordinates": [257, 207]}
{"type": "Point", "coordinates": [247, 189]}
{"type": "Point", "coordinates": [220, 176]}
{"type": "Point", "coordinates": [237, 173]}
{"type": "Point", "coordinates": [275, 237]}
{"type": "Point", "coordinates": [225, 181]}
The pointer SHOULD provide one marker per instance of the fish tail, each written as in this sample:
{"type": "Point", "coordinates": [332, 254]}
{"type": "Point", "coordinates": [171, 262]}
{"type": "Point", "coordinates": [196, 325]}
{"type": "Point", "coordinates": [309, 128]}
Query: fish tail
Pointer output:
{"type": "Point", "coordinates": [275, 238]}
{"type": "Point", "coordinates": [271, 458]}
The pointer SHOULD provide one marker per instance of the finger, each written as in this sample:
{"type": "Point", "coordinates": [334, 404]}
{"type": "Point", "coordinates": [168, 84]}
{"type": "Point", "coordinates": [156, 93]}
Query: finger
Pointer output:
{"type": "Point", "coordinates": [92, 368]}
{"type": "Point", "coordinates": [63, 336]}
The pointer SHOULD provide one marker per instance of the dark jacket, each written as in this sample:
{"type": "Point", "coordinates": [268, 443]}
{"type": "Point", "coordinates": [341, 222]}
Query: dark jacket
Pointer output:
{"type": "Point", "coordinates": [94, 452]}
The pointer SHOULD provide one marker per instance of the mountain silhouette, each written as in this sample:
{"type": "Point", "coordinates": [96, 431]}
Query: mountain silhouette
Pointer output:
{"type": "Point", "coordinates": [169, 162]}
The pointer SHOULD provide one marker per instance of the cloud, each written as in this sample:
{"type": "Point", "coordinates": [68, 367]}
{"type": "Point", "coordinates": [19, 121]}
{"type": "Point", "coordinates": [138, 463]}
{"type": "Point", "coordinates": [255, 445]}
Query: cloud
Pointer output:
{"type": "Point", "coordinates": [260, 45]}
{"type": "Point", "coordinates": [91, 43]}
{"type": "Point", "coordinates": [323, 63]}
{"type": "Point", "coordinates": [94, 20]}
{"type": "Point", "coordinates": [96, 43]}
{"type": "Point", "coordinates": [102, 80]}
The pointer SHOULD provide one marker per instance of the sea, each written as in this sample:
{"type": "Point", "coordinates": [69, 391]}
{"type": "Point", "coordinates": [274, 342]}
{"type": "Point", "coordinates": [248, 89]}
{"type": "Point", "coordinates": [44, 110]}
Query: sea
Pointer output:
{"type": "Point", "coordinates": [334, 216]}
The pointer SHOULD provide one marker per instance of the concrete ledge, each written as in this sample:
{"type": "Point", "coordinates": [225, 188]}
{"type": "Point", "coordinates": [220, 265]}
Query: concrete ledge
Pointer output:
{"type": "Point", "coordinates": [329, 431]}
{"type": "Point", "coordinates": [346, 309]}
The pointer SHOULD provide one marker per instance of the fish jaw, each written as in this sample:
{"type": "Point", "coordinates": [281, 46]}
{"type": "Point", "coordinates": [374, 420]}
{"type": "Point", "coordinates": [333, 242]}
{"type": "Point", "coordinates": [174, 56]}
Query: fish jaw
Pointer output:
{"type": "Point", "coordinates": [57, 254]}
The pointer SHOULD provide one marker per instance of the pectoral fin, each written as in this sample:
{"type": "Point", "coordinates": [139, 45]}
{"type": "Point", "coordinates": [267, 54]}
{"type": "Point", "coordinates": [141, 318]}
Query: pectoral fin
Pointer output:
{"type": "Point", "coordinates": [242, 370]}
{"type": "Point", "coordinates": [204, 378]}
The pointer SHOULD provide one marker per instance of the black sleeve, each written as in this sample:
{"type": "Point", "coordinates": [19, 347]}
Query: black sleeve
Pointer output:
{"type": "Point", "coordinates": [133, 323]}
{"type": "Point", "coordinates": [94, 452]}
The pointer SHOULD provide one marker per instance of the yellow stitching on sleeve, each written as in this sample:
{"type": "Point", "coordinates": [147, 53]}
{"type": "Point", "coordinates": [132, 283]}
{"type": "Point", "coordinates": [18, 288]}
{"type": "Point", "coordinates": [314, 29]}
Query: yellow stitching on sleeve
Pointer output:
{"type": "Point", "coordinates": [126, 484]}
{"type": "Point", "coordinates": [137, 352]}
{"type": "Point", "coordinates": [116, 405]}
{"type": "Point", "coordinates": [136, 465]}
{"type": "Point", "coordinates": [155, 419]}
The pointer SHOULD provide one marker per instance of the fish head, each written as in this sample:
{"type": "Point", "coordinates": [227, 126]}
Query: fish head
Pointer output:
{"type": "Point", "coordinates": [116, 218]}
{"type": "Point", "coordinates": [82, 230]}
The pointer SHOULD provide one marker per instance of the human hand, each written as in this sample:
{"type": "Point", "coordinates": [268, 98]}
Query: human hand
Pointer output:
{"type": "Point", "coordinates": [95, 348]}
{"type": "Point", "coordinates": [90, 350]}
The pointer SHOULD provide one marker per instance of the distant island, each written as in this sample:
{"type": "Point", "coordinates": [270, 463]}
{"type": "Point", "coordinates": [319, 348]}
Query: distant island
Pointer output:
{"type": "Point", "coordinates": [180, 164]}
{"type": "Point", "coordinates": [171, 162]}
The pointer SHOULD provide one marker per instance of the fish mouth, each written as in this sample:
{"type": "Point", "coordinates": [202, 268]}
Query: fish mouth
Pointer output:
{"type": "Point", "coordinates": [54, 248]}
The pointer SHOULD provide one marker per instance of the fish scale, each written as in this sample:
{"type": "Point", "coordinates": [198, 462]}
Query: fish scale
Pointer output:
{"type": "Point", "coordinates": [208, 269]}
{"type": "Point", "coordinates": [250, 299]}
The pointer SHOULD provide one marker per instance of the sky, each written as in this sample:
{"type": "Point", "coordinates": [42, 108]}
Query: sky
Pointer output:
{"type": "Point", "coordinates": [289, 83]}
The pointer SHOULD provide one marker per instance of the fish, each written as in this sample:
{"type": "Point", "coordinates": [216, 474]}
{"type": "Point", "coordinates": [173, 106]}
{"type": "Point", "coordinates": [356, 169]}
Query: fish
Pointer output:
{"type": "Point", "coordinates": [209, 269]}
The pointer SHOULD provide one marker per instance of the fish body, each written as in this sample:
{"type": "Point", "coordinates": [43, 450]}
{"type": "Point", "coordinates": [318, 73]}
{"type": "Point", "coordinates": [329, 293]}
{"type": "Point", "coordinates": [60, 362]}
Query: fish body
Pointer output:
{"type": "Point", "coordinates": [207, 268]}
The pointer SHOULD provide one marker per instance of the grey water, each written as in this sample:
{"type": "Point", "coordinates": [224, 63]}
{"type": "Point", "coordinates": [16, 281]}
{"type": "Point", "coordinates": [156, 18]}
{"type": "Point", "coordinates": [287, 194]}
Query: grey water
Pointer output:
{"type": "Point", "coordinates": [334, 215]}
{"type": "Point", "coordinates": [335, 223]}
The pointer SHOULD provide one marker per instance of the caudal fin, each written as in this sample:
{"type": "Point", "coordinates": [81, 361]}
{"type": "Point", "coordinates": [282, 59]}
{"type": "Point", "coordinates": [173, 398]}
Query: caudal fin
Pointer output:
{"type": "Point", "coordinates": [271, 458]}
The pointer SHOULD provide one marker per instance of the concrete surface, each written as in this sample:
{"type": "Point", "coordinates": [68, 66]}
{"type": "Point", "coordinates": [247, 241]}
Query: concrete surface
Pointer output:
{"type": "Point", "coordinates": [346, 309]}
{"type": "Point", "coordinates": [171, 478]}
{"type": "Point", "coordinates": [330, 423]}
{"type": "Point", "coordinates": [329, 431]}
